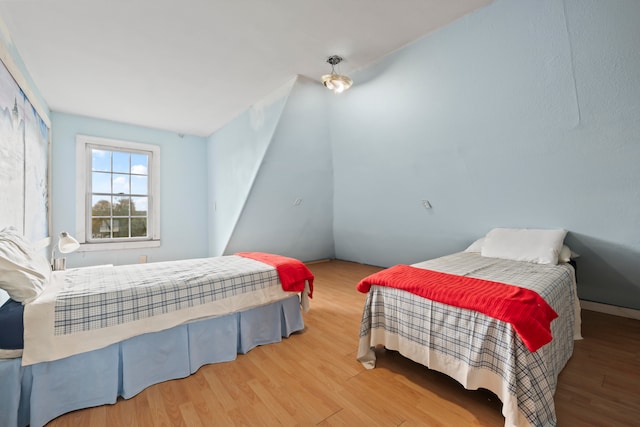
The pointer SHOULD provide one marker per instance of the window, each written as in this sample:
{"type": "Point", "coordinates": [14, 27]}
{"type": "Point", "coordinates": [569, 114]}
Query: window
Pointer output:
{"type": "Point", "coordinates": [118, 194]}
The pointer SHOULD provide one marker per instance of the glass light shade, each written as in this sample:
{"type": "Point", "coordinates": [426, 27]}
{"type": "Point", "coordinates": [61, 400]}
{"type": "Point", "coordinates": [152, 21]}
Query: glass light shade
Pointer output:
{"type": "Point", "coordinates": [336, 82]}
{"type": "Point", "coordinates": [67, 244]}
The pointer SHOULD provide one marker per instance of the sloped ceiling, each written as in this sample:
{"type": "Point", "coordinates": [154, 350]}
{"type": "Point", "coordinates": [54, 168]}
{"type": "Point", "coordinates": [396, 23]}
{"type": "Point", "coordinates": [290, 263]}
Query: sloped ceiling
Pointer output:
{"type": "Point", "coordinates": [191, 66]}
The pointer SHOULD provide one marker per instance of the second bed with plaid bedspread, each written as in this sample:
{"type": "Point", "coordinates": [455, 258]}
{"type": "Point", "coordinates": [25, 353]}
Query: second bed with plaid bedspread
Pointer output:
{"type": "Point", "coordinates": [476, 350]}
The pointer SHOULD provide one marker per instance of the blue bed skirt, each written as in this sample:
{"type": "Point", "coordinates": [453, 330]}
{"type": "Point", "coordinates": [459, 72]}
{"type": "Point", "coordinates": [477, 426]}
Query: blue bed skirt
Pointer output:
{"type": "Point", "coordinates": [36, 394]}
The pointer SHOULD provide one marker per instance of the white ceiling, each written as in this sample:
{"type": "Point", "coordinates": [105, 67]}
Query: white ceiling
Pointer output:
{"type": "Point", "coordinates": [191, 66]}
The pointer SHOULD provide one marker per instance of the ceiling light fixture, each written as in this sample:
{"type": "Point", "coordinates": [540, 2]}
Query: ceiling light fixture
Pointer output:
{"type": "Point", "coordinates": [334, 81]}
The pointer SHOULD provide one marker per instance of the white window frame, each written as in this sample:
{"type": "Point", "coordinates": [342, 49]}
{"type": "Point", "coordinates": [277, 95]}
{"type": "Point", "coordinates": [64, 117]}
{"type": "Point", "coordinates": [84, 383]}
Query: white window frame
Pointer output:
{"type": "Point", "coordinates": [83, 193]}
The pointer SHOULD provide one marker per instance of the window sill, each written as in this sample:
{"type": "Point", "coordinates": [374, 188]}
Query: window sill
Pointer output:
{"type": "Point", "coordinates": [90, 247]}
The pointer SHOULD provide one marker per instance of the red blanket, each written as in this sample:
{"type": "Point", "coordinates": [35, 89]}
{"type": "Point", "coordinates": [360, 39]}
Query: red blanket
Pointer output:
{"type": "Point", "coordinates": [293, 273]}
{"type": "Point", "coordinates": [529, 314]}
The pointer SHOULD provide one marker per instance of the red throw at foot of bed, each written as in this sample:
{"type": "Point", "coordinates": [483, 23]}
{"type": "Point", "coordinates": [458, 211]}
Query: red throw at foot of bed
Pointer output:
{"type": "Point", "coordinates": [529, 314]}
{"type": "Point", "coordinates": [293, 273]}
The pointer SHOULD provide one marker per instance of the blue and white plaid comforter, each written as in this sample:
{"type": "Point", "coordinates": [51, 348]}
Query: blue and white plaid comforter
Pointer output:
{"type": "Point", "coordinates": [473, 348]}
{"type": "Point", "coordinates": [95, 298]}
{"type": "Point", "coordinates": [89, 308]}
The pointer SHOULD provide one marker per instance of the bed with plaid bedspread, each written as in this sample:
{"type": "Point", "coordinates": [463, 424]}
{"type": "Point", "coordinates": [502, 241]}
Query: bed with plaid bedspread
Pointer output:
{"type": "Point", "coordinates": [476, 350]}
{"type": "Point", "coordinates": [89, 308]}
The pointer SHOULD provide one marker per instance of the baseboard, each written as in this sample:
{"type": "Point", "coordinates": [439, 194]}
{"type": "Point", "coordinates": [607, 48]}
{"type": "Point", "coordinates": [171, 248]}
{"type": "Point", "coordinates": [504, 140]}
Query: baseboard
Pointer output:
{"type": "Point", "coordinates": [610, 309]}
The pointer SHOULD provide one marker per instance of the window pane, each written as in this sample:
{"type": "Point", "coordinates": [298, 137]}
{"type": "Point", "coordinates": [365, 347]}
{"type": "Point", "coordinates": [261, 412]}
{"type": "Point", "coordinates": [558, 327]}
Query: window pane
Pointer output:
{"type": "Point", "coordinates": [121, 162]}
{"type": "Point", "coordinates": [121, 184]}
{"type": "Point", "coordinates": [139, 185]}
{"type": "Point", "coordinates": [139, 206]}
{"type": "Point", "coordinates": [120, 227]}
{"type": "Point", "coordinates": [140, 164]}
{"type": "Point", "coordinates": [138, 227]}
{"type": "Point", "coordinates": [100, 160]}
{"type": "Point", "coordinates": [121, 190]}
{"type": "Point", "coordinates": [100, 182]}
{"type": "Point", "coordinates": [100, 228]}
{"type": "Point", "coordinates": [100, 206]}
{"type": "Point", "coordinates": [121, 205]}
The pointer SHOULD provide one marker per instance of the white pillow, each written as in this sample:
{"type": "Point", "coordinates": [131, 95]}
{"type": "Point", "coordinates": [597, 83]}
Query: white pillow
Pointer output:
{"type": "Point", "coordinates": [566, 254]}
{"type": "Point", "coordinates": [23, 271]}
{"type": "Point", "coordinates": [476, 246]}
{"type": "Point", "coordinates": [524, 244]}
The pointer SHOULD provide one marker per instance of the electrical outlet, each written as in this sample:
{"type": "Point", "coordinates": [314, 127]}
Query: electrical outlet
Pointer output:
{"type": "Point", "coordinates": [142, 259]}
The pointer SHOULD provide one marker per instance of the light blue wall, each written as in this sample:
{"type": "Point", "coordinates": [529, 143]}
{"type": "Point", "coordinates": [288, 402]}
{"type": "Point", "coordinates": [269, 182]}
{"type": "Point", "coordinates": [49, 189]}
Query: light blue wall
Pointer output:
{"type": "Point", "coordinates": [183, 182]}
{"type": "Point", "coordinates": [235, 154]}
{"type": "Point", "coordinates": [523, 114]}
{"type": "Point", "coordinates": [289, 210]}
{"type": "Point", "coordinates": [260, 164]}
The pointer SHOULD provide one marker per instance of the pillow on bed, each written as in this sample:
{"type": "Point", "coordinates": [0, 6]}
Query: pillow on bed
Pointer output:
{"type": "Point", "coordinates": [566, 254]}
{"type": "Point", "coordinates": [476, 246]}
{"type": "Point", "coordinates": [524, 244]}
{"type": "Point", "coordinates": [23, 271]}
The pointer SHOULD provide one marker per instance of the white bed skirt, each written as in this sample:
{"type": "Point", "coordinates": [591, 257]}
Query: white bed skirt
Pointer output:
{"type": "Point", "coordinates": [34, 395]}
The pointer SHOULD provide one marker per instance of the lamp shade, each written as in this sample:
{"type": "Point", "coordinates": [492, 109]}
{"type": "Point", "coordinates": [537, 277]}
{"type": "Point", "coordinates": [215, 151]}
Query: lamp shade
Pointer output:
{"type": "Point", "coordinates": [336, 82]}
{"type": "Point", "coordinates": [67, 244]}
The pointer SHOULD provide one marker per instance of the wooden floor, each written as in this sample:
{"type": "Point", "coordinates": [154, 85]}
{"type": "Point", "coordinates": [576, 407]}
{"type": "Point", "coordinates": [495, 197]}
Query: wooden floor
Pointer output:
{"type": "Point", "coordinates": [313, 378]}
